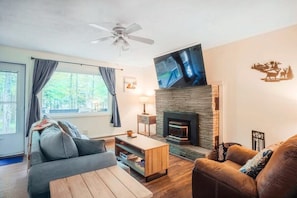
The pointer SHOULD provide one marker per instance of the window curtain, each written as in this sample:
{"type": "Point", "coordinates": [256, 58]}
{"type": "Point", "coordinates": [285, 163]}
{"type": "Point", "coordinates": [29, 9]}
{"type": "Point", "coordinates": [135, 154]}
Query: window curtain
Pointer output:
{"type": "Point", "coordinates": [108, 75]}
{"type": "Point", "coordinates": [43, 70]}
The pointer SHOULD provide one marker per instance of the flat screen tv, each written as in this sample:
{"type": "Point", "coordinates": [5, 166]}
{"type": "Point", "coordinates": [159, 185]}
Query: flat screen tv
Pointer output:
{"type": "Point", "coordinates": [182, 68]}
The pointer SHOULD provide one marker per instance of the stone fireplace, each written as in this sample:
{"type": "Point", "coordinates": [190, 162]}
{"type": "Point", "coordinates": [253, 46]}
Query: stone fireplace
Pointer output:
{"type": "Point", "coordinates": [181, 127]}
{"type": "Point", "coordinates": [200, 100]}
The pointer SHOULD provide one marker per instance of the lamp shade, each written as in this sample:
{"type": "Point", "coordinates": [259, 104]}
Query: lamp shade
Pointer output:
{"type": "Point", "coordinates": [143, 99]}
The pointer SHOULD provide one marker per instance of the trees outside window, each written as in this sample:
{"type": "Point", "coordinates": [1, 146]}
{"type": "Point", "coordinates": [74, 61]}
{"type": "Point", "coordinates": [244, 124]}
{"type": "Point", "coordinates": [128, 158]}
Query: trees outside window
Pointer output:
{"type": "Point", "coordinates": [74, 93]}
{"type": "Point", "coordinates": [8, 95]}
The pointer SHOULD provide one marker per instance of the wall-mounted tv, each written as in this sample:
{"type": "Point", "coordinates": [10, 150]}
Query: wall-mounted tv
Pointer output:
{"type": "Point", "coordinates": [182, 68]}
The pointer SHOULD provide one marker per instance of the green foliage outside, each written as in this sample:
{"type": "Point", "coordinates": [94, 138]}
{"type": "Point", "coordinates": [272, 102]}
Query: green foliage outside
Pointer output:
{"type": "Point", "coordinates": [73, 92]}
{"type": "Point", "coordinates": [8, 86]}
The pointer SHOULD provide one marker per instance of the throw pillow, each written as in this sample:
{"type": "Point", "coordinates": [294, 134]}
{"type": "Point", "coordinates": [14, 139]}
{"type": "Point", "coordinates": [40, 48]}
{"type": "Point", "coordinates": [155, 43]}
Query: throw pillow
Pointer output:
{"type": "Point", "coordinates": [70, 129]}
{"type": "Point", "coordinates": [253, 166]}
{"type": "Point", "coordinates": [88, 147]}
{"type": "Point", "coordinates": [56, 144]}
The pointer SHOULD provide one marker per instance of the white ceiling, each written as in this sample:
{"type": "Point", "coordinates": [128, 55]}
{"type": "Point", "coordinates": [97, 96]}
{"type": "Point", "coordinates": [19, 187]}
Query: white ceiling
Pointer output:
{"type": "Point", "coordinates": [61, 26]}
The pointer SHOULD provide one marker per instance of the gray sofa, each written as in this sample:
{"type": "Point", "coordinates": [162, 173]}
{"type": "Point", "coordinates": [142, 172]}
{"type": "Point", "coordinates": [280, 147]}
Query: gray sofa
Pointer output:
{"type": "Point", "coordinates": [47, 161]}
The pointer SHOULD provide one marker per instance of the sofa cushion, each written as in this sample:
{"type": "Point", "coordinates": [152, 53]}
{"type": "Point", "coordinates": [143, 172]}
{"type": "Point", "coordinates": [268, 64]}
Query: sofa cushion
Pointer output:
{"type": "Point", "coordinates": [232, 164]}
{"type": "Point", "coordinates": [70, 129]}
{"type": "Point", "coordinates": [56, 144]}
{"type": "Point", "coordinates": [36, 156]}
{"type": "Point", "coordinates": [87, 147]}
{"type": "Point", "coordinates": [257, 163]}
{"type": "Point", "coordinates": [279, 177]}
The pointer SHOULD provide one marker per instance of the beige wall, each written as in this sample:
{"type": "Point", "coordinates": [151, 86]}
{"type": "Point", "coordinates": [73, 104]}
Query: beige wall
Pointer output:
{"type": "Point", "coordinates": [248, 102]}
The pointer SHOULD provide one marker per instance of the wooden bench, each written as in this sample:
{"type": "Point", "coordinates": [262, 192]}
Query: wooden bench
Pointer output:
{"type": "Point", "coordinates": [109, 182]}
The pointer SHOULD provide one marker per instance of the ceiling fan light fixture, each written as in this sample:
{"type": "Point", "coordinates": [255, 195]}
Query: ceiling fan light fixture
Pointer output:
{"type": "Point", "coordinates": [120, 41]}
{"type": "Point", "coordinates": [125, 48]}
{"type": "Point", "coordinates": [125, 43]}
{"type": "Point", "coordinates": [121, 33]}
{"type": "Point", "coordinates": [95, 41]}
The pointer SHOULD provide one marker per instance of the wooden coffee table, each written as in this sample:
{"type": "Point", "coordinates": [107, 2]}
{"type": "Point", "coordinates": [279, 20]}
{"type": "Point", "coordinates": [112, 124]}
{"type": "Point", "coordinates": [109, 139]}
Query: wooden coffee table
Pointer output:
{"type": "Point", "coordinates": [150, 157]}
{"type": "Point", "coordinates": [109, 182]}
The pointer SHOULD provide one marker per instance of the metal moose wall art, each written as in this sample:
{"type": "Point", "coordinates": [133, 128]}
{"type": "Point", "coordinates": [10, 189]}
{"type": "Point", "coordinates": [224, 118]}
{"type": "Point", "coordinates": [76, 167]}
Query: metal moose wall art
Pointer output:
{"type": "Point", "coordinates": [273, 72]}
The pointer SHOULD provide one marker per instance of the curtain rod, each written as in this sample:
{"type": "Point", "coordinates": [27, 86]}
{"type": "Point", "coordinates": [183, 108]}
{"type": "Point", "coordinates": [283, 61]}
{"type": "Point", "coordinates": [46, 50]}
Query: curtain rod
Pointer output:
{"type": "Point", "coordinates": [76, 63]}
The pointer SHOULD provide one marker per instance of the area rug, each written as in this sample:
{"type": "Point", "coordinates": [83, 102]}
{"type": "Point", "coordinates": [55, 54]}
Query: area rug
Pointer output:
{"type": "Point", "coordinates": [11, 160]}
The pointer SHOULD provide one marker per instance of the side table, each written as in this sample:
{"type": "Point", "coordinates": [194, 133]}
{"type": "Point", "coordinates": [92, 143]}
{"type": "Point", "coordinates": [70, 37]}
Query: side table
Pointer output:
{"type": "Point", "coordinates": [147, 120]}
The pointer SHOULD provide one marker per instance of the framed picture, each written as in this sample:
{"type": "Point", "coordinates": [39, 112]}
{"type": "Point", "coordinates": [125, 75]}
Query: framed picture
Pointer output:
{"type": "Point", "coordinates": [130, 84]}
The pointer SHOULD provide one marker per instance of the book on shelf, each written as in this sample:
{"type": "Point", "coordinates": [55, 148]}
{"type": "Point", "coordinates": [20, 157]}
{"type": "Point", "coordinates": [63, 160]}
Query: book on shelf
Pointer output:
{"type": "Point", "coordinates": [127, 155]}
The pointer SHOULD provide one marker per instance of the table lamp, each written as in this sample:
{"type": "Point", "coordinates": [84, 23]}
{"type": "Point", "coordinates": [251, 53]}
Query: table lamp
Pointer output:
{"type": "Point", "coordinates": [144, 99]}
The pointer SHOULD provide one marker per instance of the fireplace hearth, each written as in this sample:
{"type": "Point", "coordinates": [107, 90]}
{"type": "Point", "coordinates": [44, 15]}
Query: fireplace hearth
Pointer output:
{"type": "Point", "coordinates": [181, 127]}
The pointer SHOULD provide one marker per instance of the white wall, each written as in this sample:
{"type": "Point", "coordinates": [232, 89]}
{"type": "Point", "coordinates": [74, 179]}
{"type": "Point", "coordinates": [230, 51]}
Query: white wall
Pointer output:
{"type": "Point", "coordinates": [95, 126]}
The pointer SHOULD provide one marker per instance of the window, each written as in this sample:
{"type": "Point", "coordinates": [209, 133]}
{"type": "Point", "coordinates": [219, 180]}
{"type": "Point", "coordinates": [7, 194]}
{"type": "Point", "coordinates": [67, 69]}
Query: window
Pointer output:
{"type": "Point", "coordinates": [68, 92]}
{"type": "Point", "coordinates": [8, 90]}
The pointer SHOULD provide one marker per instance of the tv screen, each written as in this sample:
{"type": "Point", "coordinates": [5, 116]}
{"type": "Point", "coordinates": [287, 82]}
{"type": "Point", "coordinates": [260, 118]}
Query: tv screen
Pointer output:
{"type": "Point", "coordinates": [181, 68]}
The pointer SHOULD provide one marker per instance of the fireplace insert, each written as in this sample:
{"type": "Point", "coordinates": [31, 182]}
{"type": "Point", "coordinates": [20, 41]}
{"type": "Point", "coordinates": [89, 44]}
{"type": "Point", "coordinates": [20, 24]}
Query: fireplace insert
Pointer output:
{"type": "Point", "coordinates": [181, 127]}
{"type": "Point", "coordinates": [178, 130]}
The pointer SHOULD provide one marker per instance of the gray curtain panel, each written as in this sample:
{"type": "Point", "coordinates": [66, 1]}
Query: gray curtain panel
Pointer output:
{"type": "Point", "coordinates": [108, 75]}
{"type": "Point", "coordinates": [43, 70]}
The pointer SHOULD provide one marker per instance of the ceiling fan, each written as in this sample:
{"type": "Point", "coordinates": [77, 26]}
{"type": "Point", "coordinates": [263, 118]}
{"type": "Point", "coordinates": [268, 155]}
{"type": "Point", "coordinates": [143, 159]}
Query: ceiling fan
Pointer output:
{"type": "Point", "coordinates": [120, 35]}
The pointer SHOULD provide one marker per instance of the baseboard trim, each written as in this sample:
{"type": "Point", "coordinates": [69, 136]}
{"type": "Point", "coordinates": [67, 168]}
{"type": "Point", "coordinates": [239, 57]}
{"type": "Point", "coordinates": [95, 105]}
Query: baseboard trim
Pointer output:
{"type": "Point", "coordinates": [108, 138]}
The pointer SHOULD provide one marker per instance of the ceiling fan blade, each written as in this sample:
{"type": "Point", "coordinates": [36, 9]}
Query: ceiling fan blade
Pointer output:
{"type": "Point", "coordinates": [99, 27]}
{"type": "Point", "coordinates": [141, 39]}
{"type": "Point", "coordinates": [132, 28]}
{"type": "Point", "coordinates": [102, 39]}
{"type": "Point", "coordinates": [116, 41]}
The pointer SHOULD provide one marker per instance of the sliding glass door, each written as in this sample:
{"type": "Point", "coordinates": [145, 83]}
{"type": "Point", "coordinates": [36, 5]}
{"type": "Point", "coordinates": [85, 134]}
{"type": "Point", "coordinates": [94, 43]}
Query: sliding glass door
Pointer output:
{"type": "Point", "coordinates": [12, 111]}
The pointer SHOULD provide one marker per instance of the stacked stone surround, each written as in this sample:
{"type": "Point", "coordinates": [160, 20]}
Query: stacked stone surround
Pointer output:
{"type": "Point", "coordinates": [199, 99]}
{"type": "Point", "coordinates": [187, 151]}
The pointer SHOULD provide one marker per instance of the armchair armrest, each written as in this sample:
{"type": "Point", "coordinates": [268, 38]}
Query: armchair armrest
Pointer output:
{"type": "Point", "coordinates": [216, 154]}
{"type": "Point", "coordinates": [215, 179]}
{"type": "Point", "coordinates": [240, 154]}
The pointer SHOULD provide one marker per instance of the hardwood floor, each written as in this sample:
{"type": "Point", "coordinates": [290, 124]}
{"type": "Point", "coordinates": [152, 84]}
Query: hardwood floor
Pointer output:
{"type": "Point", "coordinates": [176, 184]}
{"type": "Point", "coordinates": [13, 180]}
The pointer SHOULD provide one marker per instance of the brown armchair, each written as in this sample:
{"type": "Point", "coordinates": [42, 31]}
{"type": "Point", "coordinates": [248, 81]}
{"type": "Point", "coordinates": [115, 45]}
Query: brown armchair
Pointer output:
{"type": "Point", "coordinates": [213, 179]}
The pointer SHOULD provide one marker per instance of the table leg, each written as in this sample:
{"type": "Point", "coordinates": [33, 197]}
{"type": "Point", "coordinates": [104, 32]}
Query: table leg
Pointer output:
{"type": "Point", "coordinates": [137, 127]}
